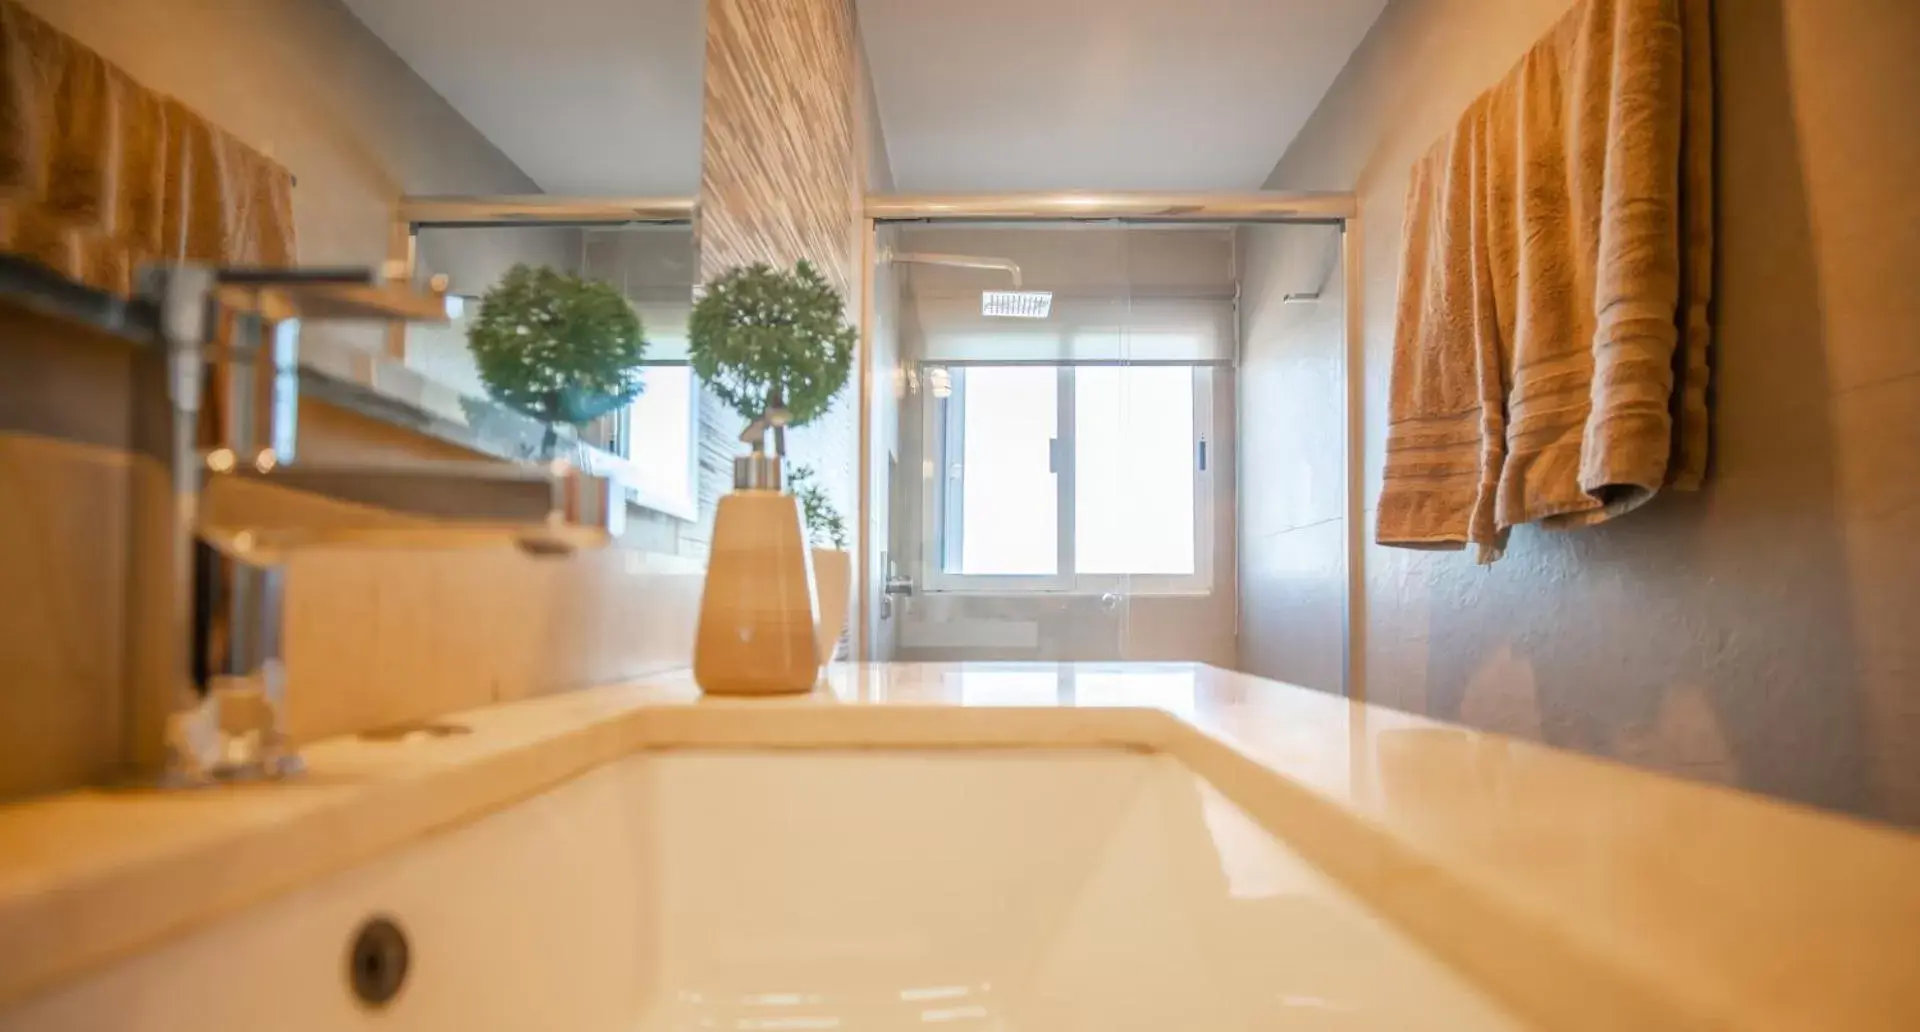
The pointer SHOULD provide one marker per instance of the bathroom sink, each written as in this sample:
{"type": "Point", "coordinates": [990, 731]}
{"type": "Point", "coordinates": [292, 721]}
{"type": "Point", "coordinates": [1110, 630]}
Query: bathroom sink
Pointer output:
{"type": "Point", "coordinates": [1016, 889]}
{"type": "Point", "coordinates": [995, 846]}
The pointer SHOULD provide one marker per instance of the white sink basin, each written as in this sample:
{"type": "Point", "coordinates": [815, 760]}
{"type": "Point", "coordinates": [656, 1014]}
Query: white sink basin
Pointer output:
{"type": "Point", "coordinates": [1011, 889]}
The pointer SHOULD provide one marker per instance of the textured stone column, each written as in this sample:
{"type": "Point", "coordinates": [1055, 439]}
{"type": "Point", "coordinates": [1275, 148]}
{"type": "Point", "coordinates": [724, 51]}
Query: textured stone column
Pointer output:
{"type": "Point", "coordinates": [781, 166]}
{"type": "Point", "coordinates": [786, 144]}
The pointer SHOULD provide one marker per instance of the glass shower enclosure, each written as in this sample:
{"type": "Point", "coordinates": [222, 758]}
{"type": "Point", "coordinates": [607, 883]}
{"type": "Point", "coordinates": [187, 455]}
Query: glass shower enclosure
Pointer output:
{"type": "Point", "coordinates": [1051, 441]}
{"type": "Point", "coordinates": [1050, 425]}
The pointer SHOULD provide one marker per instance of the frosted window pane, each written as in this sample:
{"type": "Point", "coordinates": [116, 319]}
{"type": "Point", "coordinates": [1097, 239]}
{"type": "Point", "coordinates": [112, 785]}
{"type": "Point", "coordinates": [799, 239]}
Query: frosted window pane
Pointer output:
{"type": "Point", "coordinates": [1009, 505]}
{"type": "Point", "coordinates": [660, 437]}
{"type": "Point", "coordinates": [1133, 469]}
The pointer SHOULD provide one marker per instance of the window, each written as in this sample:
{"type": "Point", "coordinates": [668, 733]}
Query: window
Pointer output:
{"type": "Point", "coordinates": [1135, 448]}
{"type": "Point", "coordinates": [1069, 477]}
{"type": "Point", "coordinates": [656, 435]}
{"type": "Point", "coordinates": [1008, 521]}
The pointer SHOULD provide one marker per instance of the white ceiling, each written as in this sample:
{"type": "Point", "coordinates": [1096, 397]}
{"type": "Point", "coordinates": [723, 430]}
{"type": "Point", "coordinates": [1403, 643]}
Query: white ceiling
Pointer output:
{"type": "Point", "coordinates": [603, 96]}
{"type": "Point", "coordinates": [1101, 94]}
{"type": "Point", "coordinates": [588, 97]}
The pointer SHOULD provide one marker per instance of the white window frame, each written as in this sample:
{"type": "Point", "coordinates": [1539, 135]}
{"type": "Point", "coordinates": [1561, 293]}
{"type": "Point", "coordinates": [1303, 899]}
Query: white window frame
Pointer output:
{"type": "Point", "coordinates": [942, 419]}
{"type": "Point", "coordinates": [687, 507]}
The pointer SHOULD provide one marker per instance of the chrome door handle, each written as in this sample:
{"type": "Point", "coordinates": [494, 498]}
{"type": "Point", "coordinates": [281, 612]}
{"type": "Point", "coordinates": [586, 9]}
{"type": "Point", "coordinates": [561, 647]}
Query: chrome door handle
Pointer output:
{"type": "Point", "coordinates": [1109, 602]}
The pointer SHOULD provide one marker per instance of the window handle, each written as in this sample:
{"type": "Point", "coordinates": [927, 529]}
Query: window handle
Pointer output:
{"type": "Point", "coordinates": [1053, 454]}
{"type": "Point", "coordinates": [1201, 449]}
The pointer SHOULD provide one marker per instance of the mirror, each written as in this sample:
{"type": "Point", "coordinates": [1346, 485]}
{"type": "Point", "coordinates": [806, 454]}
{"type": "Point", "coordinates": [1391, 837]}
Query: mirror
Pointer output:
{"type": "Point", "coordinates": [432, 376]}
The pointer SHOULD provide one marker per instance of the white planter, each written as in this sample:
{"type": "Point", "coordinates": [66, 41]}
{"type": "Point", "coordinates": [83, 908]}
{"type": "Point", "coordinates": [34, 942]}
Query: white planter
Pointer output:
{"type": "Point", "coordinates": [833, 588]}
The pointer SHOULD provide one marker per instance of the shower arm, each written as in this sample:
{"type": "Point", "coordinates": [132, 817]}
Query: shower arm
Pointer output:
{"type": "Point", "coordinates": [958, 261]}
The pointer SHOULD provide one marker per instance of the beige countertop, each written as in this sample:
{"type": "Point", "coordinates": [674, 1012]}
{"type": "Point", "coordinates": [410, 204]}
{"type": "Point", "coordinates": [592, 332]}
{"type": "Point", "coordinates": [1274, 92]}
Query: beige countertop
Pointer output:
{"type": "Point", "coordinates": [1584, 894]}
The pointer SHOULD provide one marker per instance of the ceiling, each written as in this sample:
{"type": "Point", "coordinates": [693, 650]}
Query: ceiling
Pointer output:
{"type": "Point", "coordinates": [588, 97]}
{"type": "Point", "coordinates": [603, 96]}
{"type": "Point", "coordinates": [990, 95]}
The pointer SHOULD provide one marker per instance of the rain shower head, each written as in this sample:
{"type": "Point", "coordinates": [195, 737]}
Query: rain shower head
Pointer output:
{"type": "Point", "coordinates": [1003, 304]}
{"type": "Point", "coordinates": [1016, 304]}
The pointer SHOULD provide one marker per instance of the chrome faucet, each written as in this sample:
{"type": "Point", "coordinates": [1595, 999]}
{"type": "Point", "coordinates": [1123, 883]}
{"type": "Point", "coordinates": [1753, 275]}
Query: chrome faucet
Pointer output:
{"type": "Point", "coordinates": [206, 697]}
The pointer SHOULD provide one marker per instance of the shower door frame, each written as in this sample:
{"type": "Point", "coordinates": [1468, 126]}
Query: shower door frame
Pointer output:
{"type": "Point", "coordinates": [1272, 207]}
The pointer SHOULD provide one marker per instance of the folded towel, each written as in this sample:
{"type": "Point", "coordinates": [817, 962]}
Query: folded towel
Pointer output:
{"type": "Point", "coordinates": [1553, 288]}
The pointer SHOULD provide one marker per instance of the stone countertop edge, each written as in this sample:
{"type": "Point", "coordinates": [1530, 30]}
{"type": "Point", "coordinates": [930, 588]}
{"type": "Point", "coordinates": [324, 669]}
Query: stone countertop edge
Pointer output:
{"type": "Point", "coordinates": [92, 876]}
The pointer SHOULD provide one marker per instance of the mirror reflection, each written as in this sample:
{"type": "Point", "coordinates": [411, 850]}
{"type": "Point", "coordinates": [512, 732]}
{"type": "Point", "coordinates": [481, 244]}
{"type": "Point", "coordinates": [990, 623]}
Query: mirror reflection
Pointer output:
{"type": "Point", "coordinates": [567, 342]}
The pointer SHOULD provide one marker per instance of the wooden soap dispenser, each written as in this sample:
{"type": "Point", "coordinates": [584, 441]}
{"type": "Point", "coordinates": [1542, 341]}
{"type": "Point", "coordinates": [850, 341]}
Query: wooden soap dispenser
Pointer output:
{"type": "Point", "coordinates": [757, 610]}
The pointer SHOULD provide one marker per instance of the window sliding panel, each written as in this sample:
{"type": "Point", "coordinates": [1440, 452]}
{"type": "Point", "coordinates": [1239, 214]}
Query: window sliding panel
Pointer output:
{"type": "Point", "coordinates": [1134, 466]}
{"type": "Point", "coordinates": [1008, 505]}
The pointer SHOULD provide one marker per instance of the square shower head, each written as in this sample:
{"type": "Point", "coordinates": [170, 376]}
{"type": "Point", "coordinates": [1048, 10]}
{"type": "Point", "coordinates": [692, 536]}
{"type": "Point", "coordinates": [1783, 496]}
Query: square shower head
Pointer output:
{"type": "Point", "coordinates": [1016, 304]}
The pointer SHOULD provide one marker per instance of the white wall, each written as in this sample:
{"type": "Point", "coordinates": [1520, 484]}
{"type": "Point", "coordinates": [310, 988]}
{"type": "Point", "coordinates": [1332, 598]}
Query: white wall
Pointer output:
{"type": "Point", "coordinates": [885, 472]}
{"type": "Point", "coordinates": [878, 379]}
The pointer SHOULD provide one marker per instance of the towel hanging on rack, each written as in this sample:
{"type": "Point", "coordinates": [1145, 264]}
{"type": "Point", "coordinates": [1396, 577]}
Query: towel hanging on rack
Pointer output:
{"type": "Point", "coordinates": [100, 175]}
{"type": "Point", "coordinates": [1550, 348]}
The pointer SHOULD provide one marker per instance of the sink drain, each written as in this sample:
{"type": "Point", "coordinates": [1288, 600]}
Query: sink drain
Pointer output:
{"type": "Point", "coordinates": [377, 963]}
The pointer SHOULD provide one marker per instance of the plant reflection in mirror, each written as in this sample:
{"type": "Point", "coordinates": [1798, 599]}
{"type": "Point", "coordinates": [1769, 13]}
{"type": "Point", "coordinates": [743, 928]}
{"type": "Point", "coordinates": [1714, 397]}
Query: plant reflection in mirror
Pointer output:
{"type": "Point", "coordinates": [558, 347]}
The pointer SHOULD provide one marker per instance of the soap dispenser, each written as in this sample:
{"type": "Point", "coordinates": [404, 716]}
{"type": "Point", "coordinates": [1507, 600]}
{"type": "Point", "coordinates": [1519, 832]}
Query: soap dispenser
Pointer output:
{"type": "Point", "coordinates": [757, 611]}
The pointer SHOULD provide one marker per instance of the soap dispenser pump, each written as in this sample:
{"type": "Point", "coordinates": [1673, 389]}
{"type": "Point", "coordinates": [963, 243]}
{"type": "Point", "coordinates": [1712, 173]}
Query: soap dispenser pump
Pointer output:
{"type": "Point", "coordinates": [757, 610]}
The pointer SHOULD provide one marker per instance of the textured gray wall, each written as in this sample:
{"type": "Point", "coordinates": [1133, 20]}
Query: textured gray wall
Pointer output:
{"type": "Point", "coordinates": [1764, 633]}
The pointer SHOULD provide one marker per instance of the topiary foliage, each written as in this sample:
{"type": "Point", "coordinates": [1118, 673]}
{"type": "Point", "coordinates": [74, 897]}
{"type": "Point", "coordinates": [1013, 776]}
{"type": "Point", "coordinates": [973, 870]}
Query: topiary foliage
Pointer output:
{"type": "Point", "coordinates": [824, 524]}
{"type": "Point", "coordinates": [762, 336]}
{"type": "Point", "coordinates": [557, 347]}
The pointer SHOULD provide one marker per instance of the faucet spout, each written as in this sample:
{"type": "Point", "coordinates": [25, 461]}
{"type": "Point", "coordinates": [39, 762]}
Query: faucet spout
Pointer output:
{"type": "Point", "coordinates": [258, 515]}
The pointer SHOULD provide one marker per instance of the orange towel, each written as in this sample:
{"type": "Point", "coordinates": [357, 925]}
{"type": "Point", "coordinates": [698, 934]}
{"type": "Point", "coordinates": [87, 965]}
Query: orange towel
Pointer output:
{"type": "Point", "coordinates": [1550, 351]}
{"type": "Point", "coordinates": [100, 175]}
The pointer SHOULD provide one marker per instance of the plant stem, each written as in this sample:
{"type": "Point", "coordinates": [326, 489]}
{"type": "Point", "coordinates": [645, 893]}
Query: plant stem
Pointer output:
{"type": "Point", "coordinates": [775, 401]}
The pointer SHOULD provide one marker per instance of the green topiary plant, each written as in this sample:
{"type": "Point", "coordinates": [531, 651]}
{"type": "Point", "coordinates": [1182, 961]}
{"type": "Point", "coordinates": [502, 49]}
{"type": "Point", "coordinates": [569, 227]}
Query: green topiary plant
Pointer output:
{"type": "Point", "coordinates": [560, 348]}
{"type": "Point", "coordinates": [824, 525]}
{"type": "Point", "coordinates": [764, 338]}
